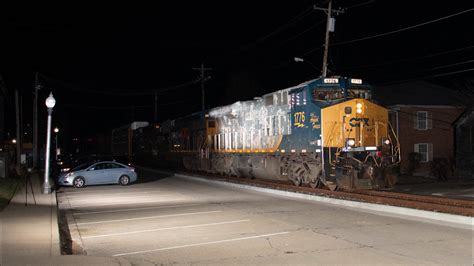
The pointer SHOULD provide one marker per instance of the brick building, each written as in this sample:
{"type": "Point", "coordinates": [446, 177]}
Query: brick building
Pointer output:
{"type": "Point", "coordinates": [465, 144]}
{"type": "Point", "coordinates": [427, 130]}
{"type": "Point", "coordinates": [423, 116]}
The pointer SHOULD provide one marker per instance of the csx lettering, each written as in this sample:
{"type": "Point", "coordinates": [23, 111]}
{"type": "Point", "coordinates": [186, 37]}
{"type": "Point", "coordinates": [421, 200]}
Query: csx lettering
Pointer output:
{"type": "Point", "coordinates": [355, 122]}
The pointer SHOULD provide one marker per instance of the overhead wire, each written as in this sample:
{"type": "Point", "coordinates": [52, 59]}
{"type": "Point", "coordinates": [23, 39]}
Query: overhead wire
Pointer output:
{"type": "Point", "coordinates": [292, 21]}
{"type": "Point", "coordinates": [402, 29]}
{"type": "Point", "coordinates": [409, 59]}
{"type": "Point", "coordinates": [121, 107]}
{"type": "Point", "coordinates": [120, 92]}
{"type": "Point", "coordinates": [454, 64]}
{"type": "Point", "coordinates": [426, 77]}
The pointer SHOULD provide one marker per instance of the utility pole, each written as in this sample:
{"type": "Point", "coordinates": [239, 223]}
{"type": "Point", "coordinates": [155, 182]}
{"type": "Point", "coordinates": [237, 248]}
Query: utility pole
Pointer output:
{"type": "Point", "coordinates": [203, 79]}
{"type": "Point", "coordinates": [18, 138]}
{"type": "Point", "coordinates": [156, 107]}
{"type": "Point", "coordinates": [35, 122]}
{"type": "Point", "coordinates": [329, 28]}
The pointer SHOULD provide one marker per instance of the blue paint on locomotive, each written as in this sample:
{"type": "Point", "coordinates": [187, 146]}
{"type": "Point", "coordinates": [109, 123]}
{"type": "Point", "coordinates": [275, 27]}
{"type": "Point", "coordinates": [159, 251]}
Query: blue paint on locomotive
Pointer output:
{"type": "Point", "coordinates": [306, 102]}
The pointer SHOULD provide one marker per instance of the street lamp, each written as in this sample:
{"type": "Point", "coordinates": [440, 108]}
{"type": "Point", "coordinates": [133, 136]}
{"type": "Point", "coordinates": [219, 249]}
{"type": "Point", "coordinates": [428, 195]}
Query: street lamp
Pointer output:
{"type": "Point", "coordinates": [50, 102]}
{"type": "Point", "coordinates": [299, 60]}
{"type": "Point", "coordinates": [56, 130]}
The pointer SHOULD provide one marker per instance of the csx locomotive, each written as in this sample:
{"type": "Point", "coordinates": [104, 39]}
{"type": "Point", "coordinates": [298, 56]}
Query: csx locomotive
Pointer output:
{"type": "Point", "coordinates": [323, 132]}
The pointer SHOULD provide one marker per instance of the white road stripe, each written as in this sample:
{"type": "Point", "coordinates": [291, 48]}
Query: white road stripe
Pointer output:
{"type": "Point", "coordinates": [166, 228]}
{"type": "Point", "coordinates": [148, 217]}
{"type": "Point", "coordinates": [121, 198]}
{"type": "Point", "coordinates": [114, 194]}
{"type": "Point", "coordinates": [126, 203]}
{"type": "Point", "coordinates": [200, 244]}
{"type": "Point", "coordinates": [135, 209]}
{"type": "Point", "coordinates": [108, 190]}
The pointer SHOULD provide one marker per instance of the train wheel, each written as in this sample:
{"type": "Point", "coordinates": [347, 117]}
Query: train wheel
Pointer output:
{"type": "Point", "coordinates": [297, 174]}
{"type": "Point", "coordinates": [315, 184]}
{"type": "Point", "coordinates": [296, 181]}
{"type": "Point", "coordinates": [332, 186]}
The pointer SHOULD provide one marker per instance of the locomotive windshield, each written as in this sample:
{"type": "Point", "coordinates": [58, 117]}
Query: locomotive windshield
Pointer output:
{"type": "Point", "coordinates": [327, 94]}
{"type": "Point", "coordinates": [364, 93]}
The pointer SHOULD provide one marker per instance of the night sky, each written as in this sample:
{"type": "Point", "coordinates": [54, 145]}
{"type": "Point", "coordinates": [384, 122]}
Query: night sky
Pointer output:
{"type": "Point", "coordinates": [104, 62]}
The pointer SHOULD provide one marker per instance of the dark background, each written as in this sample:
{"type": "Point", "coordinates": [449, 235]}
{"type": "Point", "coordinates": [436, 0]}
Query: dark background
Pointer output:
{"type": "Point", "coordinates": [103, 62]}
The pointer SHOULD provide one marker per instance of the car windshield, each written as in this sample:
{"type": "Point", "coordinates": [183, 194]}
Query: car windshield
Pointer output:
{"type": "Point", "coordinates": [81, 167]}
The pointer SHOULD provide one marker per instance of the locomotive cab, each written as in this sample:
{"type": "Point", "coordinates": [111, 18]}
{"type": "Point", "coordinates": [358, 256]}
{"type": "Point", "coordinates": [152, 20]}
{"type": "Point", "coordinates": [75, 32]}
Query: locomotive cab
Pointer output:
{"type": "Point", "coordinates": [359, 145]}
{"type": "Point", "coordinates": [345, 132]}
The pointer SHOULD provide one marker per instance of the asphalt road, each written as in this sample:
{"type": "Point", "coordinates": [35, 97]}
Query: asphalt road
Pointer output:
{"type": "Point", "coordinates": [171, 220]}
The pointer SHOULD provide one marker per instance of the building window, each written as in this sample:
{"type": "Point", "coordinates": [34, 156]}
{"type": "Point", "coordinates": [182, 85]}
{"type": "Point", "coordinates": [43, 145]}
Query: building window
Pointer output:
{"type": "Point", "coordinates": [425, 150]}
{"type": "Point", "coordinates": [423, 120]}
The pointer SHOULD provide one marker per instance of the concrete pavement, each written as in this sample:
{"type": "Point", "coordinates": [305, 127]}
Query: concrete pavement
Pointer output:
{"type": "Point", "coordinates": [29, 232]}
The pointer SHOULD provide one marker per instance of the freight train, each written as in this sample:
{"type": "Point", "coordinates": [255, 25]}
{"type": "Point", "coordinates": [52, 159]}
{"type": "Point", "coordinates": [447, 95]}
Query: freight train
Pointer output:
{"type": "Point", "coordinates": [327, 132]}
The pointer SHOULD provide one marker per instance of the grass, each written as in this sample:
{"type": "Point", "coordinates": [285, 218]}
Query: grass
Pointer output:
{"type": "Point", "coordinates": [7, 190]}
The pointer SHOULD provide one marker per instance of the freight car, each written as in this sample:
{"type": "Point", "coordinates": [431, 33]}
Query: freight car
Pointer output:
{"type": "Point", "coordinates": [122, 140]}
{"type": "Point", "coordinates": [323, 132]}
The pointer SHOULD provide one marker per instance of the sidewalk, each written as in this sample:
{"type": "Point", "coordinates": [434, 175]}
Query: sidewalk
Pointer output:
{"type": "Point", "coordinates": [29, 233]}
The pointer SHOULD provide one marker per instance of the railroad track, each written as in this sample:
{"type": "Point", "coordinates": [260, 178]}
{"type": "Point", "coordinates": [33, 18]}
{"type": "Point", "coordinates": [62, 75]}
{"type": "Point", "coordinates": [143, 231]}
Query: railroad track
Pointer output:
{"type": "Point", "coordinates": [421, 202]}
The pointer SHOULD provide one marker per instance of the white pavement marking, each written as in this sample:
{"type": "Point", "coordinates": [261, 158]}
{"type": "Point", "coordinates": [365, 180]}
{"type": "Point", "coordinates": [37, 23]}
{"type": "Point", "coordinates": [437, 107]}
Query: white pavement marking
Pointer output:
{"type": "Point", "coordinates": [200, 244]}
{"type": "Point", "coordinates": [121, 198]}
{"type": "Point", "coordinates": [112, 191]}
{"type": "Point", "coordinates": [436, 217]}
{"type": "Point", "coordinates": [166, 228]}
{"type": "Point", "coordinates": [135, 209]}
{"type": "Point", "coordinates": [148, 217]}
{"type": "Point", "coordinates": [114, 194]}
{"type": "Point", "coordinates": [126, 203]}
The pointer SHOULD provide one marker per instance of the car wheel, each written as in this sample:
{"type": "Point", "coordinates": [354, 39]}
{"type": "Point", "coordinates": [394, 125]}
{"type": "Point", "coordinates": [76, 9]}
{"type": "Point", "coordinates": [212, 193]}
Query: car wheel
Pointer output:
{"type": "Point", "coordinates": [124, 180]}
{"type": "Point", "coordinates": [79, 182]}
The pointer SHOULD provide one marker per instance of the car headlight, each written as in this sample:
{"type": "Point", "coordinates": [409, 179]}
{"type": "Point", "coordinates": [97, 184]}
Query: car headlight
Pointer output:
{"type": "Point", "coordinates": [350, 142]}
{"type": "Point", "coordinates": [69, 174]}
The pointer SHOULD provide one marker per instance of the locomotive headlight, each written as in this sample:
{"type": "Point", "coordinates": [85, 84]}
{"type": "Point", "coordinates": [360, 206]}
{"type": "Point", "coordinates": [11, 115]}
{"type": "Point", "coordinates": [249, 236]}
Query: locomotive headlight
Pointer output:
{"type": "Point", "coordinates": [350, 142]}
{"type": "Point", "coordinates": [387, 142]}
{"type": "Point", "coordinates": [359, 108]}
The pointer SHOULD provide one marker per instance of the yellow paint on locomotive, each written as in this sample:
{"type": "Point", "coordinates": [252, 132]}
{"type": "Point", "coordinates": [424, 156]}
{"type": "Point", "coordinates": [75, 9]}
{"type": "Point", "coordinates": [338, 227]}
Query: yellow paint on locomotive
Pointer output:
{"type": "Point", "coordinates": [367, 126]}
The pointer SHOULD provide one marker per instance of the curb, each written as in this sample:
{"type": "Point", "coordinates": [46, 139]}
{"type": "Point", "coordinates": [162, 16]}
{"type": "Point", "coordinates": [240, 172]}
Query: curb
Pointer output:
{"type": "Point", "coordinates": [55, 242]}
{"type": "Point", "coordinates": [75, 236]}
{"type": "Point", "coordinates": [452, 220]}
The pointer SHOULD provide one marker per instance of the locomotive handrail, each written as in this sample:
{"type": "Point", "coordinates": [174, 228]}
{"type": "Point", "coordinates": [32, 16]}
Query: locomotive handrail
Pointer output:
{"type": "Point", "coordinates": [397, 147]}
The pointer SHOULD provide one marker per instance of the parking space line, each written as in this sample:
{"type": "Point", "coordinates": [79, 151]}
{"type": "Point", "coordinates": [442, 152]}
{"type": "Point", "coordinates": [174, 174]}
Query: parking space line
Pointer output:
{"type": "Point", "coordinates": [135, 209]}
{"type": "Point", "coordinates": [166, 228]}
{"type": "Point", "coordinates": [113, 194]}
{"type": "Point", "coordinates": [123, 203]}
{"type": "Point", "coordinates": [112, 191]}
{"type": "Point", "coordinates": [122, 198]}
{"type": "Point", "coordinates": [200, 244]}
{"type": "Point", "coordinates": [148, 217]}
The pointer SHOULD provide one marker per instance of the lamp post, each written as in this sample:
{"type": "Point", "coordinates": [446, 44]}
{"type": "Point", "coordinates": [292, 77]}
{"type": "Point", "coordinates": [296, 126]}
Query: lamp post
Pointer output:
{"type": "Point", "coordinates": [50, 102]}
{"type": "Point", "coordinates": [56, 131]}
{"type": "Point", "coordinates": [299, 60]}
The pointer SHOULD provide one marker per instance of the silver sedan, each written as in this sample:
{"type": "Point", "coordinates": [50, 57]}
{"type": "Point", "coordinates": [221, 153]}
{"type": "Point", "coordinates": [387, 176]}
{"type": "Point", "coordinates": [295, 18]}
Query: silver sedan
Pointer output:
{"type": "Point", "coordinates": [104, 172]}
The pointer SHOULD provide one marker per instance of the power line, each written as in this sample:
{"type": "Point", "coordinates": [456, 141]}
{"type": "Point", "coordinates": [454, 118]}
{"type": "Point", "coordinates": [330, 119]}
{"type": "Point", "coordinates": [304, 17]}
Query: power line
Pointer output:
{"type": "Point", "coordinates": [292, 21]}
{"type": "Point", "coordinates": [301, 33]}
{"type": "Point", "coordinates": [426, 77]}
{"type": "Point", "coordinates": [120, 107]}
{"type": "Point", "coordinates": [403, 29]}
{"type": "Point", "coordinates": [120, 92]}
{"type": "Point", "coordinates": [409, 59]}
{"type": "Point", "coordinates": [455, 64]}
{"type": "Point", "coordinates": [361, 4]}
